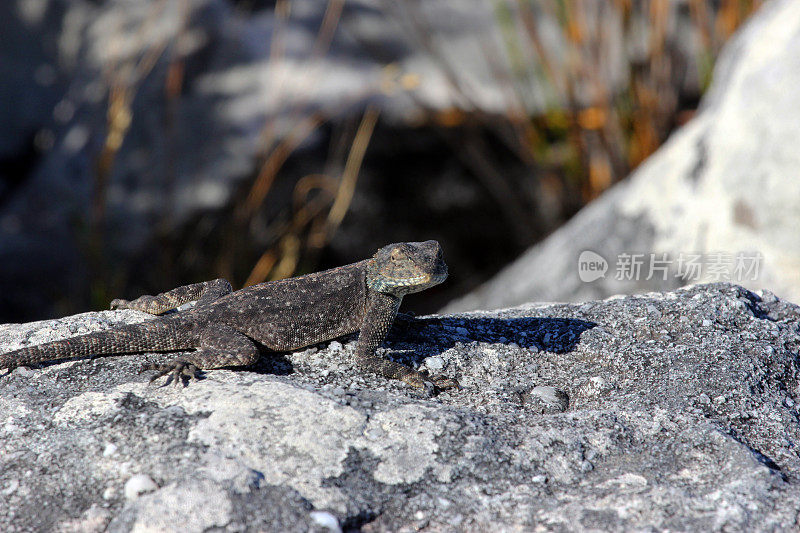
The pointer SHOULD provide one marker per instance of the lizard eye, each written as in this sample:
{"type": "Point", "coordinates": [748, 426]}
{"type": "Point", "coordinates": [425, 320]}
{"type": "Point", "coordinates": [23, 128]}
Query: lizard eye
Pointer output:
{"type": "Point", "coordinates": [395, 254]}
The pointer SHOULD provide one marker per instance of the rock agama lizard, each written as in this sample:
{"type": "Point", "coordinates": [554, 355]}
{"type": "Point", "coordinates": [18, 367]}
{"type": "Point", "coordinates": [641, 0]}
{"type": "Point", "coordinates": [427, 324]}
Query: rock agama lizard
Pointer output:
{"type": "Point", "coordinates": [225, 328]}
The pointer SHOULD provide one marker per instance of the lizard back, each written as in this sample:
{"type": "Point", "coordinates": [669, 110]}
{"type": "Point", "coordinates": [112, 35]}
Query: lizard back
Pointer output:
{"type": "Point", "coordinates": [297, 312]}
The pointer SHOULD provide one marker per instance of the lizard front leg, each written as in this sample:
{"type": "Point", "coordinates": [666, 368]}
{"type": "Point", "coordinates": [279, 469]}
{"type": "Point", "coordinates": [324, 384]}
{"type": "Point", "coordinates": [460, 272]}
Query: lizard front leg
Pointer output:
{"type": "Point", "coordinates": [378, 318]}
{"type": "Point", "coordinates": [218, 346]}
{"type": "Point", "coordinates": [204, 292]}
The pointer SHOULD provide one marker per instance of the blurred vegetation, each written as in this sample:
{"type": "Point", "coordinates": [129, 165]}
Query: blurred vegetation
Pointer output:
{"type": "Point", "coordinates": [588, 142]}
{"type": "Point", "coordinates": [588, 135]}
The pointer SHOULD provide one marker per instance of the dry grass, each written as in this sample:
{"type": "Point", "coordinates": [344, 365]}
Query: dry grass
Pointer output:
{"type": "Point", "coordinates": [590, 133]}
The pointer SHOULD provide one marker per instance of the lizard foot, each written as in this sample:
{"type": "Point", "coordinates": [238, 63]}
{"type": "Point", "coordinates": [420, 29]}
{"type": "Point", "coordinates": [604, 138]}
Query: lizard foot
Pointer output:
{"type": "Point", "coordinates": [180, 372]}
{"type": "Point", "coordinates": [439, 381]}
{"type": "Point", "coordinates": [431, 384]}
{"type": "Point", "coordinates": [444, 383]}
{"type": "Point", "coordinates": [120, 304]}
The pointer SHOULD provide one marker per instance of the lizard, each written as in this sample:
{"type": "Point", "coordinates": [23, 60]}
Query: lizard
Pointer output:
{"type": "Point", "coordinates": [225, 328]}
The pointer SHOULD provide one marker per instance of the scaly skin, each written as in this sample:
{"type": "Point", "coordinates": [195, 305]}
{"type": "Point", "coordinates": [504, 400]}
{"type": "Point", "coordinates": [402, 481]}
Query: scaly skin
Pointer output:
{"type": "Point", "coordinates": [224, 326]}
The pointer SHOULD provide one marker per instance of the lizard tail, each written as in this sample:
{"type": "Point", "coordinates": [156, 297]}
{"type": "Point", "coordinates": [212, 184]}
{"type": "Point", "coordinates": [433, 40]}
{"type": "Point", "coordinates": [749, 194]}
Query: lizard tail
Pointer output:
{"type": "Point", "coordinates": [151, 336]}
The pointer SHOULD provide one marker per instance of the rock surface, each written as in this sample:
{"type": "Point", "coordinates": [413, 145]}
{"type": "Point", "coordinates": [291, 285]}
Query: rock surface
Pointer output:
{"type": "Point", "coordinates": [725, 184]}
{"type": "Point", "coordinates": [673, 410]}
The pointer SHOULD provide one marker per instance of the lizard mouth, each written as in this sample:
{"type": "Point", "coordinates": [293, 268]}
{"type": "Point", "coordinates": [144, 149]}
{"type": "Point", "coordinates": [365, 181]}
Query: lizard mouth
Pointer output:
{"type": "Point", "coordinates": [400, 286]}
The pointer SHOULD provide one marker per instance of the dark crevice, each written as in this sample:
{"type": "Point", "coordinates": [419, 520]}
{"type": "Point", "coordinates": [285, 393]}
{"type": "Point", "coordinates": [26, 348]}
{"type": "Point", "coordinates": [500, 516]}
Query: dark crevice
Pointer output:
{"type": "Point", "coordinates": [702, 160]}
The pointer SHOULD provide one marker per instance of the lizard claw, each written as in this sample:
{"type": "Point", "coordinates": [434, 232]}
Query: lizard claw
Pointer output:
{"type": "Point", "coordinates": [180, 372]}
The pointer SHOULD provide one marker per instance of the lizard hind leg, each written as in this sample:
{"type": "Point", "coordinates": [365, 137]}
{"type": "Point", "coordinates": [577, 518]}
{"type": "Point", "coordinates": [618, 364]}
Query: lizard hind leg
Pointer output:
{"type": "Point", "coordinates": [203, 293]}
{"type": "Point", "coordinates": [218, 347]}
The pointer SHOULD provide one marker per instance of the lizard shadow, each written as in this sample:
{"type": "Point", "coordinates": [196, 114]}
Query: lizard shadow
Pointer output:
{"type": "Point", "coordinates": [273, 363]}
{"type": "Point", "coordinates": [558, 335]}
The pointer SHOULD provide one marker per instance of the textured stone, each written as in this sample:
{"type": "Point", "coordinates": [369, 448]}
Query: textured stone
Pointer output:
{"type": "Point", "coordinates": [682, 414]}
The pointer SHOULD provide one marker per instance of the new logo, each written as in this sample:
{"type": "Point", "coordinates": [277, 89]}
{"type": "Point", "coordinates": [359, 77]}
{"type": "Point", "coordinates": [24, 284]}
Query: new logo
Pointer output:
{"type": "Point", "coordinates": [591, 266]}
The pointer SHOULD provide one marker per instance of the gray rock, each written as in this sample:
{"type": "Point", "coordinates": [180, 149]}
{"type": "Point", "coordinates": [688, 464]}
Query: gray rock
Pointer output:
{"type": "Point", "coordinates": [681, 415]}
{"type": "Point", "coordinates": [723, 185]}
{"type": "Point", "coordinates": [549, 399]}
{"type": "Point", "coordinates": [326, 520]}
{"type": "Point", "coordinates": [138, 485]}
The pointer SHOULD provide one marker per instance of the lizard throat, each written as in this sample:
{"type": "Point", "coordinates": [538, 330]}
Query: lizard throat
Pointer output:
{"type": "Point", "coordinates": [403, 286]}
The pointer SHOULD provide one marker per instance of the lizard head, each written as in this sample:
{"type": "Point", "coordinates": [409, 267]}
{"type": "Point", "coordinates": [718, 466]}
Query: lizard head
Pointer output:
{"type": "Point", "coordinates": [406, 267]}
